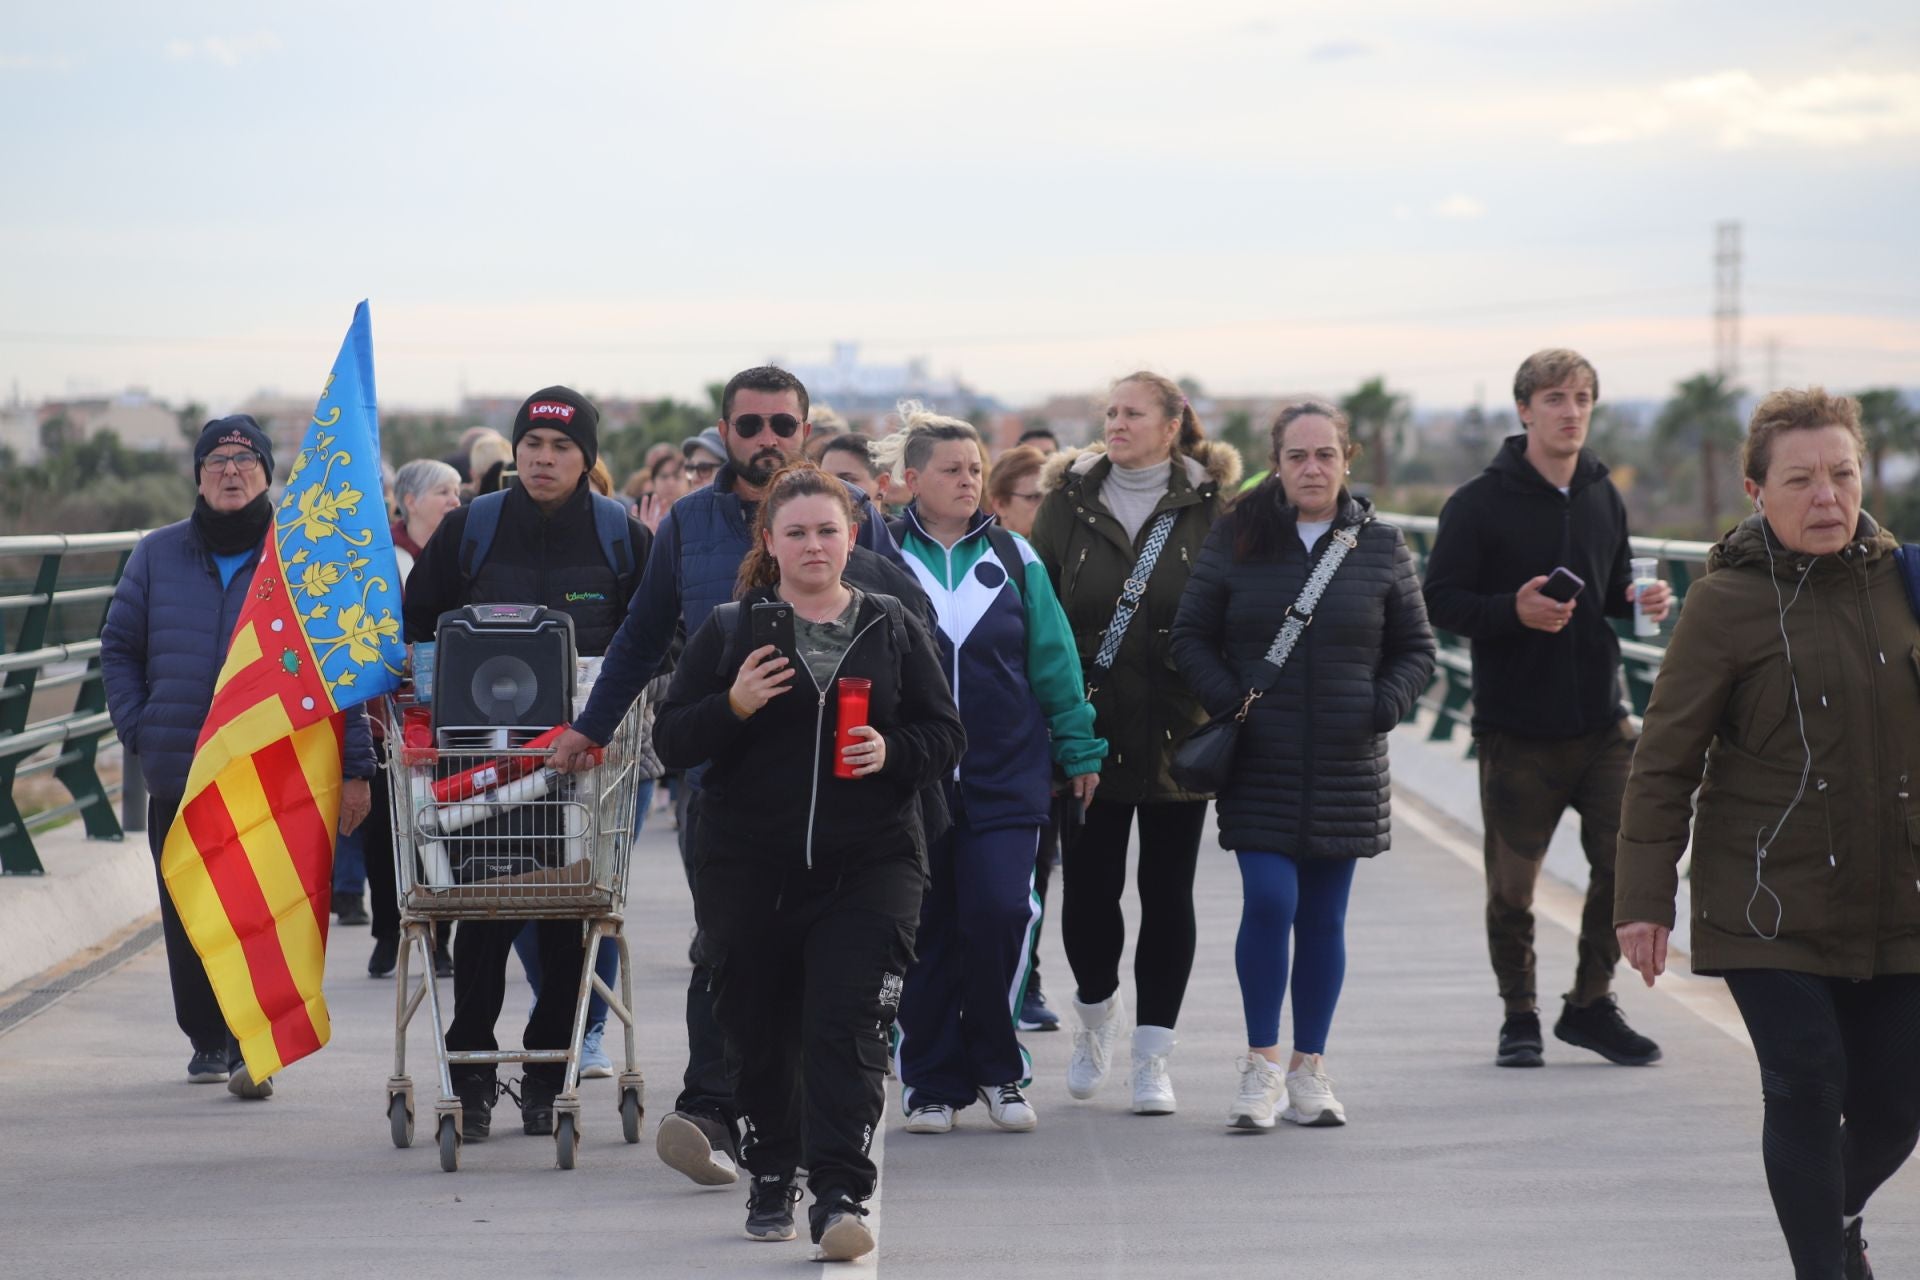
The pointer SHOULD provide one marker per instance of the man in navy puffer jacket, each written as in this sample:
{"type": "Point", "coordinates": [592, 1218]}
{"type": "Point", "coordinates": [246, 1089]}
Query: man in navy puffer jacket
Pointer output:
{"type": "Point", "coordinates": [161, 649]}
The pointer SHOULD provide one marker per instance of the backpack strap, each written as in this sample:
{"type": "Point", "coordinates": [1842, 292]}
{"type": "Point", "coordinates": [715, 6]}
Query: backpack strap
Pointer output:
{"type": "Point", "coordinates": [483, 521]}
{"type": "Point", "coordinates": [1004, 546]}
{"type": "Point", "coordinates": [610, 523]}
{"type": "Point", "coordinates": [1907, 557]}
{"type": "Point", "coordinates": [728, 616]}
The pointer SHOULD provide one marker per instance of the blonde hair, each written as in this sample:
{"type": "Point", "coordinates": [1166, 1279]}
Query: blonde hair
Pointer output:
{"type": "Point", "coordinates": [912, 445]}
{"type": "Point", "coordinates": [485, 452]}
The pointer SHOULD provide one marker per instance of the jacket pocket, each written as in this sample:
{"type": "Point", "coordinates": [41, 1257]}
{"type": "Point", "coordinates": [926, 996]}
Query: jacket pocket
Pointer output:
{"type": "Point", "coordinates": [1788, 893]}
{"type": "Point", "coordinates": [1758, 707]}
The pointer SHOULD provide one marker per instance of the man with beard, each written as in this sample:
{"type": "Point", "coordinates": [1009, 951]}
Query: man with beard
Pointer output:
{"type": "Point", "coordinates": [161, 650]}
{"type": "Point", "coordinates": [695, 561]}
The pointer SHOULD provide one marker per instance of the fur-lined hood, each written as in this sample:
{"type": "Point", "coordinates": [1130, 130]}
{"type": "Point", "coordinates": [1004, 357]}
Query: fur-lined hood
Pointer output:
{"type": "Point", "coordinates": [1214, 460]}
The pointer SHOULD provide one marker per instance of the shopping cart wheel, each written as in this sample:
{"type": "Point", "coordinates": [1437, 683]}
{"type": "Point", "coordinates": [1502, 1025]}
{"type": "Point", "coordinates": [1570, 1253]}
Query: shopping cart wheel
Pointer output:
{"type": "Point", "coordinates": [449, 1144]}
{"type": "Point", "coordinates": [400, 1119]}
{"type": "Point", "coordinates": [630, 1113]}
{"type": "Point", "coordinates": [566, 1138]}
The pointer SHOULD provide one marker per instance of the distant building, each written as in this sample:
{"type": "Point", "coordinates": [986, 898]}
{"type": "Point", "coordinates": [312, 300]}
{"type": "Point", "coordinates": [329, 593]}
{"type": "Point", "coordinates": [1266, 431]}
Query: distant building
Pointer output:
{"type": "Point", "coordinates": [140, 421]}
{"type": "Point", "coordinates": [870, 391]}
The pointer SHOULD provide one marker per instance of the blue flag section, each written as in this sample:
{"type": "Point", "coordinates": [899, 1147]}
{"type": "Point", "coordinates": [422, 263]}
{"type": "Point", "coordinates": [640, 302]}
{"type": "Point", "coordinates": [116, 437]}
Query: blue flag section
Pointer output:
{"type": "Point", "coordinates": [334, 542]}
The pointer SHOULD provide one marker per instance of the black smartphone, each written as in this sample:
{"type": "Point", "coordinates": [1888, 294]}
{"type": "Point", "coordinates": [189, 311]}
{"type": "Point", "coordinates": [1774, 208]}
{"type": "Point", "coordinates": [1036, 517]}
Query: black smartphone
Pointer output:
{"type": "Point", "coordinates": [1563, 585]}
{"type": "Point", "coordinates": [773, 625]}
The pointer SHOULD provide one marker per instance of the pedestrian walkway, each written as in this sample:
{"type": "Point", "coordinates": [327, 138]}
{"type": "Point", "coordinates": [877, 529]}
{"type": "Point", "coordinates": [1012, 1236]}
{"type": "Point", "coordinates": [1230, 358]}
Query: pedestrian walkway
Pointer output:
{"type": "Point", "coordinates": [111, 1165]}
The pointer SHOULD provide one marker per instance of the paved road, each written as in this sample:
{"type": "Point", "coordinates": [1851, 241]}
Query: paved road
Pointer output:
{"type": "Point", "coordinates": [111, 1165]}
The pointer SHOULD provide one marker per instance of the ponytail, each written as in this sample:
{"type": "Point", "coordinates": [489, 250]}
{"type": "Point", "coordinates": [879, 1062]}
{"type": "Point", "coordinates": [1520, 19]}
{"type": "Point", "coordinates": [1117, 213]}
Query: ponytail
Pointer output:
{"type": "Point", "coordinates": [1173, 403]}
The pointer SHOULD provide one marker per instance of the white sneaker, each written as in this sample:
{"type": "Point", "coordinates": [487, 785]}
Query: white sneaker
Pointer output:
{"type": "Point", "coordinates": [1152, 1088]}
{"type": "Point", "coordinates": [1009, 1109]}
{"type": "Point", "coordinates": [1310, 1099]}
{"type": "Point", "coordinates": [935, 1117]}
{"type": "Point", "coordinates": [1094, 1042]}
{"type": "Point", "coordinates": [1263, 1090]}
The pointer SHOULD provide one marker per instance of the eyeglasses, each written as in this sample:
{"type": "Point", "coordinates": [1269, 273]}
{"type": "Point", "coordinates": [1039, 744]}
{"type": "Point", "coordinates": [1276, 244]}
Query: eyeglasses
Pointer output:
{"type": "Point", "coordinates": [244, 462]}
{"type": "Point", "coordinates": [701, 468]}
{"type": "Point", "coordinates": [1027, 497]}
{"type": "Point", "coordinates": [748, 425]}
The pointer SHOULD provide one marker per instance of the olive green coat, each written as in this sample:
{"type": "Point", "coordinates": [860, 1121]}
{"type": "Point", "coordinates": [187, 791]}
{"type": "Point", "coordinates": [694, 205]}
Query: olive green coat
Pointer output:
{"type": "Point", "coordinates": [1143, 708]}
{"type": "Point", "coordinates": [1838, 891]}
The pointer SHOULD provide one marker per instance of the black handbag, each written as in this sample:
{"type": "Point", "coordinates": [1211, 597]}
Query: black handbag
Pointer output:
{"type": "Point", "coordinates": [1204, 759]}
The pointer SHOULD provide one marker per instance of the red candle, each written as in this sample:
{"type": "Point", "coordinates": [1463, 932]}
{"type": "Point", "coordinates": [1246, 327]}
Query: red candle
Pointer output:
{"type": "Point", "coordinates": [853, 695]}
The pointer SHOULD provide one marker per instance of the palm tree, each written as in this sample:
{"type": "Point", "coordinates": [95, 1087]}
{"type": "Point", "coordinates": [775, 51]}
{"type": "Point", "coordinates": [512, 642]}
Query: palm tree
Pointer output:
{"type": "Point", "coordinates": [1379, 421]}
{"type": "Point", "coordinates": [1888, 424]}
{"type": "Point", "coordinates": [1704, 415]}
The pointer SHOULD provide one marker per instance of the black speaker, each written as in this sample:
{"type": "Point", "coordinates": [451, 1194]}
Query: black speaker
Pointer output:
{"type": "Point", "coordinates": [500, 665]}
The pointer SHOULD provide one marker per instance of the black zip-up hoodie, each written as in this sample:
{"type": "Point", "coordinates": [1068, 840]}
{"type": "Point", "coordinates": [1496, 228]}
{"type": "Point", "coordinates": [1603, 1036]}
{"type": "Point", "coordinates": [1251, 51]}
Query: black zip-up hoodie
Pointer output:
{"type": "Point", "coordinates": [1508, 525]}
{"type": "Point", "coordinates": [769, 793]}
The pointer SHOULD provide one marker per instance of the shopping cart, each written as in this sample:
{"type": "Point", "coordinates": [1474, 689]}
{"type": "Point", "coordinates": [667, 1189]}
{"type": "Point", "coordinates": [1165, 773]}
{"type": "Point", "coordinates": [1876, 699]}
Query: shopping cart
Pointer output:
{"type": "Point", "coordinates": [483, 829]}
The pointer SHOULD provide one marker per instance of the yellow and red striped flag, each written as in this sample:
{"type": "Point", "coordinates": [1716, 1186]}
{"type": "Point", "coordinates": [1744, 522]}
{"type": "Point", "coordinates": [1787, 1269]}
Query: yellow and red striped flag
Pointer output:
{"type": "Point", "coordinates": [249, 860]}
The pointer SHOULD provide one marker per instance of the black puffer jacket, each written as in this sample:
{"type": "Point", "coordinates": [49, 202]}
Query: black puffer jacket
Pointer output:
{"type": "Point", "coordinates": [1310, 776]}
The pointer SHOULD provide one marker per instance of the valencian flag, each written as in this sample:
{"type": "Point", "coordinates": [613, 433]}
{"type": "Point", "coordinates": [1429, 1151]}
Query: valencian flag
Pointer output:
{"type": "Point", "coordinates": [249, 860]}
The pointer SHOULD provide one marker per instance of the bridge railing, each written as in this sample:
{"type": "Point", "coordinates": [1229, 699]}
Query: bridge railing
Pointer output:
{"type": "Point", "coordinates": [54, 592]}
{"type": "Point", "coordinates": [1450, 695]}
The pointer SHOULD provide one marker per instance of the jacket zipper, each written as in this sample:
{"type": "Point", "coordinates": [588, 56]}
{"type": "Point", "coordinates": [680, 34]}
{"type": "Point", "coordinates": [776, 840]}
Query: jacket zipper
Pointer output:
{"type": "Point", "coordinates": [819, 726]}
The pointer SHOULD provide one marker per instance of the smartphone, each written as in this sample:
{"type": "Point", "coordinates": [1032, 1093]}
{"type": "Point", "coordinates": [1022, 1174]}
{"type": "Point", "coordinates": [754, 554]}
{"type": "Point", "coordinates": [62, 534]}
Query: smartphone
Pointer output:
{"type": "Point", "coordinates": [772, 623]}
{"type": "Point", "coordinates": [1563, 585]}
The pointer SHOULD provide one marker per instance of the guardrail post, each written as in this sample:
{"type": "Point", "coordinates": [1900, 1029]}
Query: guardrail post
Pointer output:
{"type": "Point", "coordinates": [17, 856]}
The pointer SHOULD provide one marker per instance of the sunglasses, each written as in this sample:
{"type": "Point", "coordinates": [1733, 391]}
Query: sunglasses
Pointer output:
{"type": "Point", "coordinates": [748, 425]}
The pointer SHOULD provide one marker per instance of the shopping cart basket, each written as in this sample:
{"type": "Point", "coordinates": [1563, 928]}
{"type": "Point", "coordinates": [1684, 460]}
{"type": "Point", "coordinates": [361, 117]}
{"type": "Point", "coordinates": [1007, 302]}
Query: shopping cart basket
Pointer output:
{"type": "Point", "coordinates": [484, 829]}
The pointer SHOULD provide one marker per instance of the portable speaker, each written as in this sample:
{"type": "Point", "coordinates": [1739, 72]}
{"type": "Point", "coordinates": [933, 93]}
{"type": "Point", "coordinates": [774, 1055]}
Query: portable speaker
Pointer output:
{"type": "Point", "coordinates": [502, 665]}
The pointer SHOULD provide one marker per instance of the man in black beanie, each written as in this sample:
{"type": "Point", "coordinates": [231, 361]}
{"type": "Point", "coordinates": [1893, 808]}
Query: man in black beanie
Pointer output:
{"type": "Point", "coordinates": [537, 541]}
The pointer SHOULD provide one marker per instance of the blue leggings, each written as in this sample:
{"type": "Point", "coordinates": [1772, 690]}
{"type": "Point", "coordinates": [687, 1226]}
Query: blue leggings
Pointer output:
{"type": "Point", "coordinates": [1307, 899]}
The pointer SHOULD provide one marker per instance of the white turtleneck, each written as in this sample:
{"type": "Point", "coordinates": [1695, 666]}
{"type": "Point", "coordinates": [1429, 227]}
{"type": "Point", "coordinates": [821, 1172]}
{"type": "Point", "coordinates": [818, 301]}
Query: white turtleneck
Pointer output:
{"type": "Point", "coordinates": [1132, 493]}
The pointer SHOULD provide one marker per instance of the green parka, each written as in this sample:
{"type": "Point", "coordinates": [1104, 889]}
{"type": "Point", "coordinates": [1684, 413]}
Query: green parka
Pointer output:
{"type": "Point", "coordinates": [1838, 890]}
{"type": "Point", "coordinates": [1143, 708]}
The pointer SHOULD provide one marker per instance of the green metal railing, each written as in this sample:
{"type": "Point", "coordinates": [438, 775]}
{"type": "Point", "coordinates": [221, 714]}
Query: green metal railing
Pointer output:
{"type": "Point", "coordinates": [1450, 694]}
{"type": "Point", "coordinates": [52, 619]}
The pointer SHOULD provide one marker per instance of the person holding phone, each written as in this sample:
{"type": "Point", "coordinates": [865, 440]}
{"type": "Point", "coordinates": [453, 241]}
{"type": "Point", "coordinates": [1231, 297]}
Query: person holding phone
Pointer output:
{"type": "Point", "coordinates": [1015, 671]}
{"type": "Point", "coordinates": [807, 883]}
{"type": "Point", "coordinates": [1530, 562]}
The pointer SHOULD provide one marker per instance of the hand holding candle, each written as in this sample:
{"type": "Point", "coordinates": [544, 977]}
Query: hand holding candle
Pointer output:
{"type": "Point", "coordinates": [858, 747]}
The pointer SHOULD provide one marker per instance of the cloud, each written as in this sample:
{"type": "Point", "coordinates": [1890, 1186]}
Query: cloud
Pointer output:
{"type": "Point", "coordinates": [1339, 51]}
{"type": "Point", "coordinates": [1459, 206]}
{"type": "Point", "coordinates": [35, 62]}
{"type": "Point", "coordinates": [225, 51]}
{"type": "Point", "coordinates": [1736, 110]}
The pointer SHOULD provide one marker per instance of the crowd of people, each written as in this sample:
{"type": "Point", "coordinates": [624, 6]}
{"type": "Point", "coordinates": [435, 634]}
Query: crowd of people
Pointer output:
{"type": "Point", "coordinates": [1047, 639]}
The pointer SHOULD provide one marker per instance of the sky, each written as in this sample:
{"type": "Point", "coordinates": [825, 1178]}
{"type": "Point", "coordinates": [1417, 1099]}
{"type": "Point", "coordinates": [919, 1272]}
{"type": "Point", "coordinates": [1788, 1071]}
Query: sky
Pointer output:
{"type": "Point", "coordinates": [640, 199]}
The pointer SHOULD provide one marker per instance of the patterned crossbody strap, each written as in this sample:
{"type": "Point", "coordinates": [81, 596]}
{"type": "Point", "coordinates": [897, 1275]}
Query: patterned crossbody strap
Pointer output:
{"type": "Point", "coordinates": [1131, 595]}
{"type": "Point", "coordinates": [1300, 612]}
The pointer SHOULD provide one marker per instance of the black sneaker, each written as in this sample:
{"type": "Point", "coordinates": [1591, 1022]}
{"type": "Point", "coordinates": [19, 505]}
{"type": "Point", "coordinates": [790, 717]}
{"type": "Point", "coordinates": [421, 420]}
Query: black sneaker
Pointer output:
{"type": "Point", "coordinates": [770, 1201]}
{"type": "Point", "coordinates": [536, 1106]}
{"type": "Point", "coordinates": [477, 1094]}
{"type": "Point", "coordinates": [701, 1147]}
{"type": "Point", "coordinates": [840, 1227]}
{"type": "Point", "coordinates": [386, 955]}
{"type": "Point", "coordinates": [443, 959]}
{"type": "Point", "coordinates": [1857, 1267]}
{"type": "Point", "coordinates": [1600, 1027]}
{"type": "Point", "coordinates": [1520, 1042]}
{"type": "Point", "coordinates": [207, 1066]}
{"type": "Point", "coordinates": [350, 908]}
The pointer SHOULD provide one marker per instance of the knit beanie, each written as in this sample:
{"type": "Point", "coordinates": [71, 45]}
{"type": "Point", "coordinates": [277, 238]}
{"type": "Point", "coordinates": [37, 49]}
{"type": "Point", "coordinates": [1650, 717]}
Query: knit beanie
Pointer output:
{"type": "Point", "coordinates": [239, 429]}
{"type": "Point", "coordinates": [564, 410]}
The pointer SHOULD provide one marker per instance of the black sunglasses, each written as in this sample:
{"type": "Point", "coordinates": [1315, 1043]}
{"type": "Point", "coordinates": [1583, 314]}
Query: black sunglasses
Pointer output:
{"type": "Point", "coordinates": [748, 425]}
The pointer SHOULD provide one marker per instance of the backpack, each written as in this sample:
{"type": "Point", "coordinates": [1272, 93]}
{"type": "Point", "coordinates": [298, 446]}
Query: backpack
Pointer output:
{"type": "Point", "coordinates": [609, 524]}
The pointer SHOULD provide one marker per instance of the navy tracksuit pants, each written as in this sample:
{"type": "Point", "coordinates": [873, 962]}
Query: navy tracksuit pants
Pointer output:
{"type": "Point", "coordinates": [978, 925]}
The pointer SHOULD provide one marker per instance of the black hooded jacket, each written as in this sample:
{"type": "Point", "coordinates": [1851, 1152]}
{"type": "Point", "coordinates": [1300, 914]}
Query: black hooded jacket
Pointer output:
{"type": "Point", "coordinates": [1508, 525]}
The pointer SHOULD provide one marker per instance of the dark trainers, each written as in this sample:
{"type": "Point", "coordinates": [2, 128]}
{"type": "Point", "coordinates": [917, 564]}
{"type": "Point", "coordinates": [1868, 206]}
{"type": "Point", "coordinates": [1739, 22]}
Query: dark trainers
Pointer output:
{"type": "Point", "coordinates": [536, 1106]}
{"type": "Point", "coordinates": [207, 1066]}
{"type": "Point", "coordinates": [770, 1201]}
{"type": "Point", "coordinates": [350, 908]}
{"type": "Point", "coordinates": [443, 960]}
{"type": "Point", "coordinates": [476, 1106]}
{"type": "Point", "coordinates": [1034, 1014]}
{"type": "Point", "coordinates": [1856, 1264]}
{"type": "Point", "coordinates": [840, 1227]}
{"type": "Point", "coordinates": [700, 1147]}
{"type": "Point", "coordinates": [1520, 1042]}
{"type": "Point", "coordinates": [386, 955]}
{"type": "Point", "coordinates": [1600, 1027]}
